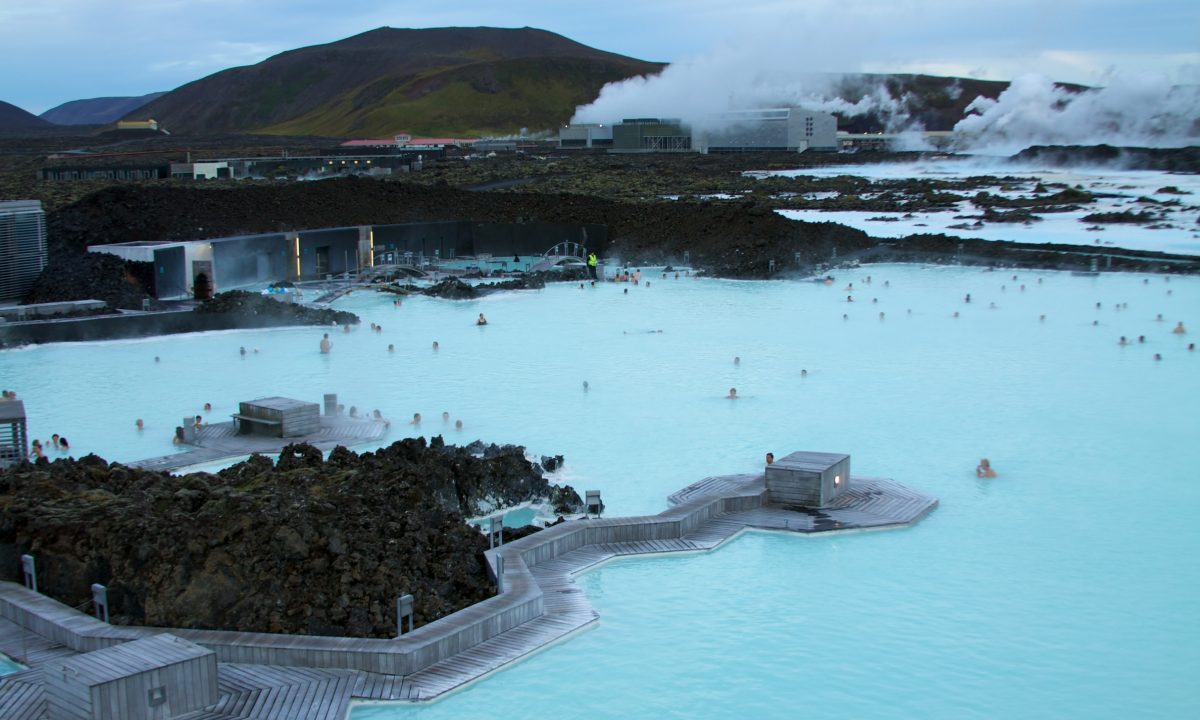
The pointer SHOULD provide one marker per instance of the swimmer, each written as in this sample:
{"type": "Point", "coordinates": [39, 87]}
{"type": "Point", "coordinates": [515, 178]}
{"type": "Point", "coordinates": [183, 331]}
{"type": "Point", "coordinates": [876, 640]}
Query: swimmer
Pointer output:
{"type": "Point", "coordinates": [1157, 356]}
{"type": "Point", "coordinates": [55, 441]}
{"type": "Point", "coordinates": [155, 358]}
{"type": "Point", "coordinates": [380, 418]}
{"type": "Point", "coordinates": [435, 345]}
{"type": "Point", "coordinates": [586, 387]}
{"type": "Point", "coordinates": [626, 291]}
{"type": "Point", "coordinates": [1191, 347]}
{"type": "Point", "coordinates": [198, 423]}
{"type": "Point", "coordinates": [482, 320]}
{"type": "Point", "coordinates": [874, 300]}
{"type": "Point", "coordinates": [416, 419]}
{"type": "Point", "coordinates": [178, 439]}
{"type": "Point", "coordinates": [1122, 342]}
{"type": "Point", "coordinates": [242, 351]}
{"type": "Point", "coordinates": [445, 416]}
{"type": "Point", "coordinates": [458, 425]}
{"type": "Point", "coordinates": [737, 360]}
{"type": "Point", "coordinates": [207, 407]}
{"type": "Point", "coordinates": [955, 313]}
{"type": "Point", "coordinates": [991, 306]}
{"type": "Point", "coordinates": [1179, 329]}
{"type": "Point", "coordinates": [391, 347]}
{"type": "Point", "coordinates": [346, 328]}
{"type": "Point", "coordinates": [64, 445]}
{"type": "Point", "coordinates": [1158, 318]}
{"type": "Point", "coordinates": [140, 425]}
{"type": "Point", "coordinates": [849, 298]}
{"type": "Point", "coordinates": [1041, 318]}
{"type": "Point", "coordinates": [967, 298]}
{"type": "Point", "coordinates": [732, 394]}
{"type": "Point", "coordinates": [845, 316]}
{"type": "Point", "coordinates": [1141, 338]}
{"type": "Point", "coordinates": [887, 283]}
{"type": "Point", "coordinates": [770, 458]}
{"type": "Point", "coordinates": [353, 411]}
{"type": "Point", "coordinates": [378, 328]}
{"type": "Point", "coordinates": [803, 373]}
{"type": "Point", "coordinates": [984, 469]}
{"type": "Point", "coordinates": [35, 451]}
{"type": "Point", "coordinates": [326, 346]}
{"type": "Point", "coordinates": [880, 316]}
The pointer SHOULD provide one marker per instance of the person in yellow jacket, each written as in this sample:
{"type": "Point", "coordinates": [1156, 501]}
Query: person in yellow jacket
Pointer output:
{"type": "Point", "coordinates": [591, 262]}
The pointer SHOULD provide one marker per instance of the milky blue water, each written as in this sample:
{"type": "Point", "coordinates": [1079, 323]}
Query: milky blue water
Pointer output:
{"type": "Point", "coordinates": [1066, 587]}
{"type": "Point", "coordinates": [8, 665]}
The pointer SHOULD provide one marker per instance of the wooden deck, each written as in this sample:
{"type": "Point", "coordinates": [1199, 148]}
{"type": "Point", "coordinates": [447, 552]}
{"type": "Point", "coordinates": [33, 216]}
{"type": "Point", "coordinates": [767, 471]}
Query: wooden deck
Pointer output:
{"type": "Point", "coordinates": [221, 441]}
{"type": "Point", "coordinates": [319, 677]}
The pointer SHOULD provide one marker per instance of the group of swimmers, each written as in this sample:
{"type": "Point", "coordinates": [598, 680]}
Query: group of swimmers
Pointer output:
{"type": "Point", "coordinates": [37, 451]}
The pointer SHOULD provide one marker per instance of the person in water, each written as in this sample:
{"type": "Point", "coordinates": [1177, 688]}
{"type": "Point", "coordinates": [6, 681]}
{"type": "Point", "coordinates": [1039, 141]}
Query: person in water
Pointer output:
{"type": "Point", "coordinates": [482, 320]}
{"type": "Point", "coordinates": [1179, 329]}
{"type": "Point", "coordinates": [416, 419]}
{"type": "Point", "coordinates": [770, 458]}
{"type": "Point", "coordinates": [326, 346]}
{"type": "Point", "coordinates": [984, 469]}
{"type": "Point", "coordinates": [732, 394]}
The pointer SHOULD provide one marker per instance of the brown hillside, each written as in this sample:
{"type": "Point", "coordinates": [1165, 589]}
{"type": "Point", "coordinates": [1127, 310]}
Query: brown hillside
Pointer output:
{"type": "Point", "coordinates": [389, 79]}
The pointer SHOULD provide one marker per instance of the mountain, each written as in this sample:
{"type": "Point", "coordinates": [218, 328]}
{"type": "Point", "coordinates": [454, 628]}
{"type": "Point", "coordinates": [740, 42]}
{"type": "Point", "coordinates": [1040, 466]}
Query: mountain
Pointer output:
{"type": "Point", "coordinates": [96, 111]}
{"type": "Point", "coordinates": [15, 120]}
{"type": "Point", "coordinates": [428, 81]}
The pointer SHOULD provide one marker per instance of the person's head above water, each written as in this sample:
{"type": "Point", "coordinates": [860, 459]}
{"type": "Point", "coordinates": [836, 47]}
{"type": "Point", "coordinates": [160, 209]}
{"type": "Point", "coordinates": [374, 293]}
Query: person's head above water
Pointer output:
{"type": "Point", "coordinates": [732, 393]}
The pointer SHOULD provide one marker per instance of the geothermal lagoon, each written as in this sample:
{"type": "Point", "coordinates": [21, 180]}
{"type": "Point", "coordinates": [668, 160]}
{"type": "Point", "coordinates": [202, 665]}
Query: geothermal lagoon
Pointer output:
{"type": "Point", "coordinates": [1064, 587]}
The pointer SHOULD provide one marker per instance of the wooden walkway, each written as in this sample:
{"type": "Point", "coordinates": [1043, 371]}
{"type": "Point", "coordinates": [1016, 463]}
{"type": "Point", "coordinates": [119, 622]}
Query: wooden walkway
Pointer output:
{"type": "Point", "coordinates": [221, 441]}
{"type": "Point", "coordinates": [551, 559]}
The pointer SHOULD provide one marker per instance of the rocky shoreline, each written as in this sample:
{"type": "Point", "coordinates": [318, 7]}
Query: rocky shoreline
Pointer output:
{"type": "Point", "coordinates": [305, 545]}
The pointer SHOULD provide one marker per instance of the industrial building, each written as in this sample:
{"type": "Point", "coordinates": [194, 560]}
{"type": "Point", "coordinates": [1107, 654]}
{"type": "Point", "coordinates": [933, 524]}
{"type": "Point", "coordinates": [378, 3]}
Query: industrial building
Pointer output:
{"type": "Point", "coordinates": [22, 247]}
{"type": "Point", "coordinates": [230, 263]}
{"type": "Point", "coordinates": [789, 129]}
{"type": "Point", "coordinates": [646, 135]}
{"type": "Point", "coordinates": [586, 135]}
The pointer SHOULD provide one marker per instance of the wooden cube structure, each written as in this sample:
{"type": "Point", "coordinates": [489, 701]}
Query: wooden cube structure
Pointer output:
{"type": "Point", "coordinates": [278, 417]}
{"type": "Point", "coordinates": [807, 479]}
{"type": "Point", "coordinates": [161, 676]}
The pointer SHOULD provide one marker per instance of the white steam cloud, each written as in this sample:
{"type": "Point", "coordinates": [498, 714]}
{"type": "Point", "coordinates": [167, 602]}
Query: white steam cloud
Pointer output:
{"type": "Point", "coordinates": [1141, 110]}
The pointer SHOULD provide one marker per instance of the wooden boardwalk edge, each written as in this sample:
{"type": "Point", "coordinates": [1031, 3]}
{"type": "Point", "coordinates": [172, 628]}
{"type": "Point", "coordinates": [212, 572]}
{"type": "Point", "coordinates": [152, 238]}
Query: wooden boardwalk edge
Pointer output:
{"type": "Point", "coordinates": [544, 606]}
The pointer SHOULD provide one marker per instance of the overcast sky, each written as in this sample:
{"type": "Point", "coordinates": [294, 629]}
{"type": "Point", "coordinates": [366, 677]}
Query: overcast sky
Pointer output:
{"type": "Point", "coordinates": [52, 51]}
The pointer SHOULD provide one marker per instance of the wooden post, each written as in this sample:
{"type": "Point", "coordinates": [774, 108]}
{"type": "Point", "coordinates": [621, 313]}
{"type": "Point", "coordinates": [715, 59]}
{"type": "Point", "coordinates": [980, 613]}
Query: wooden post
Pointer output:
{"type": "Point", "coordinates": [404, 608]}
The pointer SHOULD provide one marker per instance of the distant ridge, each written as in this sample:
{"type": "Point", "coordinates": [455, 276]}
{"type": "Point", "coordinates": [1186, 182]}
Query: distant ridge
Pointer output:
{"type": "Point", "coordinates": [429, 81]}
{"type": "Point", "coordinates": [15, 120]}
{"type": "Point", "coordinates": [96, 111]}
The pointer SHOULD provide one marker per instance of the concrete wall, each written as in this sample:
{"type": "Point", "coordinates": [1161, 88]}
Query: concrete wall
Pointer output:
{"type": "Point", "coordinates": [110, 327]}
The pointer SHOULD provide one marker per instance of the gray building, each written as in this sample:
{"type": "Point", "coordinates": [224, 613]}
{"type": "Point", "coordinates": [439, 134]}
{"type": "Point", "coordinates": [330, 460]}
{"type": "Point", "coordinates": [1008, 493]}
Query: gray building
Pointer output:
{"type": "Point", "coordinates": [585, 135]}
{"type": "Point", "coordinates": [22, 247]}
{"type": "Point", "coordinates": [789, 129]}
{"type": "Point", "coordinates": [633, 135]}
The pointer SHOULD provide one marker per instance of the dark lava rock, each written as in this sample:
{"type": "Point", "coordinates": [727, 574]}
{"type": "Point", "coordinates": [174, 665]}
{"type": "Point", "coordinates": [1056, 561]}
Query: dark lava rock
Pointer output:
{"type": "Point", "coordinates": [241, 302]}
{"type": "Point", "coordinates": [566, 501]}
{"type": "Point", "coordinates": [452, 289]}
{"type": "Point", "coordinates": [1186, 159]}
{"type": "Point", "coordinates": [550, 464]}
{"type": "Point", "coordinates": [304, 546]}
{"type": "Point", "coordinates": [93, 276]}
